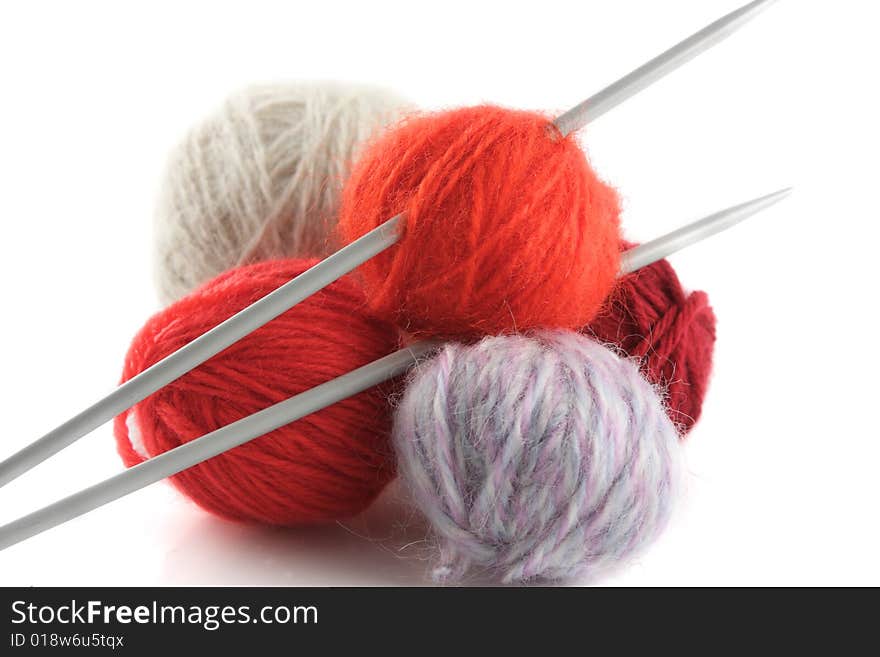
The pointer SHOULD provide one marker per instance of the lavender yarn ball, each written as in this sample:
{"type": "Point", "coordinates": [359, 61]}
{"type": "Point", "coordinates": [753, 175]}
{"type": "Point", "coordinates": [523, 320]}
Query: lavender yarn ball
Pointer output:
{"type": "Point", "coordinates": [536, 458]}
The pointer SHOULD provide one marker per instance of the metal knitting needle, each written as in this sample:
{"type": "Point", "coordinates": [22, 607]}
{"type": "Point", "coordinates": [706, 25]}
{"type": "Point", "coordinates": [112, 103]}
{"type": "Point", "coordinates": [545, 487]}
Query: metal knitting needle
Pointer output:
{"type": "Point", "coordinates": [342, 262]}
{"type": "Point", "coordinates": [649, 252]}
{"type": "Point", "coordinates": [214, 443]}
{"type": "Point", "coordinates": [659, 67]}
{"type": "Point", "coordinates": [202, 348]}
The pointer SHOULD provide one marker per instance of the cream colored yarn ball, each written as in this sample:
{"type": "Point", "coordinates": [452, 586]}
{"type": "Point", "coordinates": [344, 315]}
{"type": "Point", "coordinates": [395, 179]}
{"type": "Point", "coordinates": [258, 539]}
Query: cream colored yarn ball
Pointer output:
{"type": "Point", "coordinates": [261, 179]}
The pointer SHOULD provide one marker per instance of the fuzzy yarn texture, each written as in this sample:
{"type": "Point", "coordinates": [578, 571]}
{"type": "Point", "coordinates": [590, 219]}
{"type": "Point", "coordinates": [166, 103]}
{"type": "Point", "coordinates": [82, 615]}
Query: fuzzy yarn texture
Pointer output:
{"type": "Point", "coordinates": [671, 333]}
{"type": "Point", "coordinates": [507, 227]}
{"type": "Point", "coordinates": [536, 458]}
{"type": "Point", "coordinates": [327, 466]}
{"type": "Point", "coordinates": [262, 179]}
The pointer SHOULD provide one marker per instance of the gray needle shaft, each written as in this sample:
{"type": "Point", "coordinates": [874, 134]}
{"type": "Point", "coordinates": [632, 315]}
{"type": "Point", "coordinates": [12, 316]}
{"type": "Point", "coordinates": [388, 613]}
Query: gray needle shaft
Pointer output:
{"type": "Point", "coordinates": [202, 348]}
{"type": "Point", "coordinates": [644, 254]}
{"type": "Point", "coordinates": [662, 65]}
{"type": "Point", "coordinates": [251, 318]}
{"type": "Point", "coordinates": [288, 411]}
{"type": "Point", "coordinates": [212, 444]}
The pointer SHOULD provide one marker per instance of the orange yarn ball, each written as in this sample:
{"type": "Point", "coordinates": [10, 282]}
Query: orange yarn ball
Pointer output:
{"type": "Point", "coordinates": [507, 227]}
{"type": "Point", "coordinates": [325, 467]}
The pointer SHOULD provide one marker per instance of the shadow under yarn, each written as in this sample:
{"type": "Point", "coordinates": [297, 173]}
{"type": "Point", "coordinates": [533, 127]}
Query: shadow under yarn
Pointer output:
{"type": "Point", "coordinates": [384, 545]}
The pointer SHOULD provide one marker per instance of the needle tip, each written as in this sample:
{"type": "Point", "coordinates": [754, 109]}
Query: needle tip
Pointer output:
{"type": "Point", "coordinates": [650, 252]}
{"type": "Point", "coordinates": [775, 197]}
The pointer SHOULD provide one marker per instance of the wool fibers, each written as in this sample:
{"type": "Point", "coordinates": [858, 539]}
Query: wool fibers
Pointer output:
{"type": "Point", "coordinates": [261, 178]}
{"type": "Point", "coordinates": [507, 227]}
{"type": "Point", "coordinates": [325, 467]}
{"type": "Point", "coordinates": [536, 458]}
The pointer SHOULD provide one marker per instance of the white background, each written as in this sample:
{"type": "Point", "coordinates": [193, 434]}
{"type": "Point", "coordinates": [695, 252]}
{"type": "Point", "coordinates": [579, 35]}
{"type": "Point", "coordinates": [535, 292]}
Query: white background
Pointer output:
{"type": "Point", "coordinates": [784, 464]}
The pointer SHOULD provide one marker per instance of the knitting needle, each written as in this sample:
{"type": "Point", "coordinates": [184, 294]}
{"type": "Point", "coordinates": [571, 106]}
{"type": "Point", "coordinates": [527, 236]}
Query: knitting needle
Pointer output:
{"type": "Point", "coordinates": [342, 262]}
{"type": "Point", "coordinates": [214, 443]}
{"type": "Point", "coordinates": [644, 254]}
{"type": "Point", "coordinates": [194, 452]}
{"type": "Point", "coordinates": [659, 67]}
{"type": "Point", "coordinates": [202, 348]}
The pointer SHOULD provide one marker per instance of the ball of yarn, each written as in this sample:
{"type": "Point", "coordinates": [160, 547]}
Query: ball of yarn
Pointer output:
{"type": "Point", "coordinates": [261, 179]}
{"type": "Point", "coordinates": [324, 467]}
{"type": "Point", "coordinates": [506, 225]}
{"type": "Point", "coordinates": [671, 333]}
{"type": "Point", "coordinates": [536, 457]}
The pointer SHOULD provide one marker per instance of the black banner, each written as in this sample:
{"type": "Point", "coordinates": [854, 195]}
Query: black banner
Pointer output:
{"type": "Point", "coordinates": [288, 620]}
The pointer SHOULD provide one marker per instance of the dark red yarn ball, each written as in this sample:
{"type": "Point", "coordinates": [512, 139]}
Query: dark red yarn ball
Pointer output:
{"type": "Point", "coordinates": [325, 467]}
{"type": "Point", "coordinates": [651, 317]}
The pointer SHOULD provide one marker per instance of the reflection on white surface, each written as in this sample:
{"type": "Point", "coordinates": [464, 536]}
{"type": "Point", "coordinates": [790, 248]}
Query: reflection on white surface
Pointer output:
{"type": "Point", "coordinates": [386, 545]}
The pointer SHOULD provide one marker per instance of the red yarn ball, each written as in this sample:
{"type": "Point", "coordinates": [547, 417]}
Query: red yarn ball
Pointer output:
{"type": "Point", "coordinates": [650, 317]}
{"type": "Point", "coordinates": [324, 467]}
{"type": "Point", "coordinates": [506, 225]}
